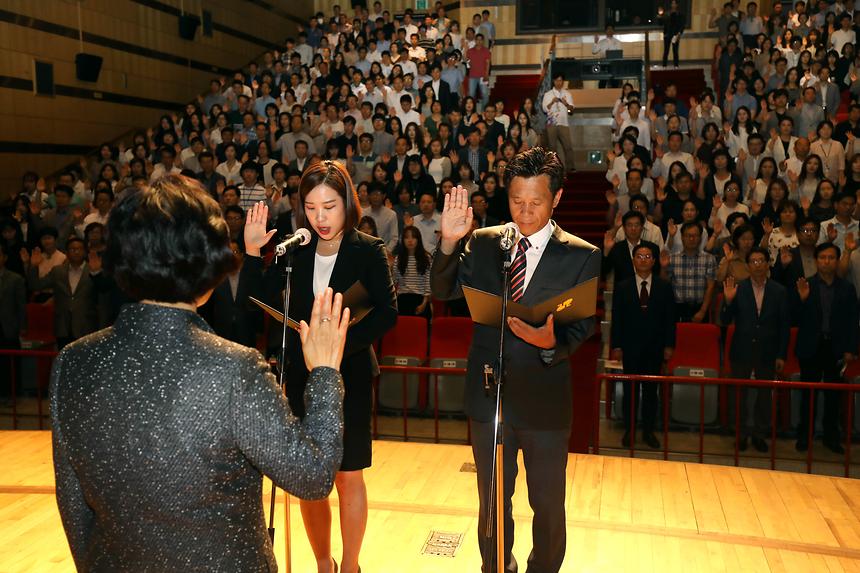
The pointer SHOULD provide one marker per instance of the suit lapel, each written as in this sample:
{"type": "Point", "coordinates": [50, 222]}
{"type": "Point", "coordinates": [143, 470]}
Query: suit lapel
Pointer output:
{"type": "Point", "coordinates": [543, 274]}
{"type": "Point", "coordinates": [343, 266]}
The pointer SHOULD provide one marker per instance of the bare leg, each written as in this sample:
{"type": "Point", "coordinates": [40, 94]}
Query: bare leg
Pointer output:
{"type": "Point", "coordinates": [352, 494]}
{"type": "Point", "coordinates": [317, 518]}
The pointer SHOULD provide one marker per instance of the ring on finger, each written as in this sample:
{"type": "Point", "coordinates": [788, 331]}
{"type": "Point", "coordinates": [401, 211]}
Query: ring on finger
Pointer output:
{"type": "Point", "coordinates": [325, 319]}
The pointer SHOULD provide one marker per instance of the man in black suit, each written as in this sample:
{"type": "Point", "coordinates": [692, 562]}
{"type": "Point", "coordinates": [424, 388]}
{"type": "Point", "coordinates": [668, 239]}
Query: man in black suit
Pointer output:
{"type": "Point", "coordinates": [228, 311]}
{"type": "Point", "coordinates": [643, 335]}
{"type": "Point", "coordinates": [74, 292]}
{"type": "Point", "coordinates": [546, 261]}
{"type": "Point", "coordinates": [441, 88]}
{"type": "Point", "coordinates": [826, 308]}
{"type": "Point", "coordinates": [617, 257]}
{"type": "Point", "coordinates": [759, 308]}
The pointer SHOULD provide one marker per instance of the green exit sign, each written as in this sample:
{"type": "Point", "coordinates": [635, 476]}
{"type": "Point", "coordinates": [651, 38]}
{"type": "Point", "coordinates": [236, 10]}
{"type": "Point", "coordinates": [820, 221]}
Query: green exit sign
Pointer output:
{"type": "Point", "coordinates": [421, 4]}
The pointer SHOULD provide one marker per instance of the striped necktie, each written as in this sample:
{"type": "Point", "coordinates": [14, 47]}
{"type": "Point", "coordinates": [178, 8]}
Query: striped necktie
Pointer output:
{"type": "Point", "coordinates": [518, 270]}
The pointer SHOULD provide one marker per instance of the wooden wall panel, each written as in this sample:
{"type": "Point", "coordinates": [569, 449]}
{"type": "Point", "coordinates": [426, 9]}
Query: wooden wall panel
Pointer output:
{"type": "Point", "coordinates": [70, 120]}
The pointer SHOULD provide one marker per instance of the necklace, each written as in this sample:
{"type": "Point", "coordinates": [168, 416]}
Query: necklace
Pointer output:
{"type": "Point", "coordinates": [330, 246]}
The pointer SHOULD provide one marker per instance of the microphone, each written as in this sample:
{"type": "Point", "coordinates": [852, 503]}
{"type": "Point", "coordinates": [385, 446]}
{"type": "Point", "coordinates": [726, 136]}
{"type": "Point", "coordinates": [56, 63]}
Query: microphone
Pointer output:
{"type": "Point", "coordinates": [298, 239]}
{"type": "Point", "coordinates": [509, 236]}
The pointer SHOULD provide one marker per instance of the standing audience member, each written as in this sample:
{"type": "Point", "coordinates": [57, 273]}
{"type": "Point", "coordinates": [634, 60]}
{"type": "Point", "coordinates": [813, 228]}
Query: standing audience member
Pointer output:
{"type": "Point", "coordinates": [412, 274]}
{"type": "Point", "coordinates": [759, 308]}
{"type": "Point", "coordinates": [74, 292]}
{"type": "Point", "coordinates": [558, 105]}
{"type": "Point", "coordinates": [827, 318]}
{"type": "Point", "coordinates": [643, 337]}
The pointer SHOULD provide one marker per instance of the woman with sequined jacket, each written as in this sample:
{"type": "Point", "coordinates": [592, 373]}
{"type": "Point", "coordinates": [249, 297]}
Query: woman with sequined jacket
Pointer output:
{"type": "Point", "coordinates": [163, 430]}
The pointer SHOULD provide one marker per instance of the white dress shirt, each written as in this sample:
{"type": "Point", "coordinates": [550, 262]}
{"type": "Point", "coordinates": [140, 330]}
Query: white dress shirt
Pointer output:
{"type": "Point", "coordinates": [556, 112]}
{"type": "Point", "coordinates": [538, 243]}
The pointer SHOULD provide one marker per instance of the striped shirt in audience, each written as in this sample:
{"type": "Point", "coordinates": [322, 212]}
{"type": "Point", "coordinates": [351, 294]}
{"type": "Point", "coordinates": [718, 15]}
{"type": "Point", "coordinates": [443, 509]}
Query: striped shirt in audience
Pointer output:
{"type": "Point", "coordinates": [412, 282]}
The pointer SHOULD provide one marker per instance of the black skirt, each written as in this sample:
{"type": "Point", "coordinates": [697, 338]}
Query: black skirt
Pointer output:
{"type": "Point", "coordinates": [357, 372]}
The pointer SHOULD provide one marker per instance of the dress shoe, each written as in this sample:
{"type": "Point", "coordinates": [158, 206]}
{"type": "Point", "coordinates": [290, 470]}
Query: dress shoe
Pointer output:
{"type": "Point", "coordinates": [625, 441]}
{"type": "Point", "coordinates": [834, 447]}
{"type": "Point", "coordinates": [651, 440]}
{"type": "Point", "coordinates": [743, 444]}
{"type": "Point", "coordinates": [801, 445]}
{"type": "Point", "coordinates": [760, 445]}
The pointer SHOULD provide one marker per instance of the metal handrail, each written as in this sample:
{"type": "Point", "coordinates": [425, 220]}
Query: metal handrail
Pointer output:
{"type": "Point", "coordinates": [738, 383]}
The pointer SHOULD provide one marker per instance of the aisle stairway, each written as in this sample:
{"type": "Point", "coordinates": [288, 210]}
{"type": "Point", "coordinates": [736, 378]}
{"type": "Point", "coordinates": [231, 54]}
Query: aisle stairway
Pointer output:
{"type": "Point", "coordinates": [514, 89]}
{"type": "Point", "coordinates": [582, 210]}
{"type": "Point", "coordinates": [690, 81]}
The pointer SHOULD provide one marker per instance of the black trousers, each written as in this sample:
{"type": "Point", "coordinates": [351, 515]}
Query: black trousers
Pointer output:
{"type": "Point", "coordinates": [667, 42]}
{"type": "Point", "coordinates": [545, 460]}
{"type": "Point", "coordinates": [684, 311]}
{"type": "Point", "coordinates": [407, 305]}
{"type": "Point", "coordinates": [6, 363]}
{"type": "Point", "coordinates": [646, 393]}
{"type": "Point", "coordinates": [822, 367]}
{"type": "Point", "coordinates": [760, 398]}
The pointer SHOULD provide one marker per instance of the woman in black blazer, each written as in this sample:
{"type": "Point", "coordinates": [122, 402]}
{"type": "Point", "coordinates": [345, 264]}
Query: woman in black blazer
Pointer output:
{"type": "Point", "coordinates": [338, 256]}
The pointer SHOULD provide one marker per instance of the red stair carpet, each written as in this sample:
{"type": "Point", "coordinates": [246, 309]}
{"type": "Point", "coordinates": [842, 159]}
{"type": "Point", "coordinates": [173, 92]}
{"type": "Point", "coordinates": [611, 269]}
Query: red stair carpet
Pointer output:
{"type": "Point", "coordinates": [690, 82]}
{"type": "Point", "coordinates": [514, 89]}
{"type": "Point", "coordinates": [582, 210]}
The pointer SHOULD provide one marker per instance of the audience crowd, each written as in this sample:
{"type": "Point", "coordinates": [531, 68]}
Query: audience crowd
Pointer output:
{"type": "Point", "coordinates": [762, 171]}
{"type": "Point", "coordinates": [402, 101]}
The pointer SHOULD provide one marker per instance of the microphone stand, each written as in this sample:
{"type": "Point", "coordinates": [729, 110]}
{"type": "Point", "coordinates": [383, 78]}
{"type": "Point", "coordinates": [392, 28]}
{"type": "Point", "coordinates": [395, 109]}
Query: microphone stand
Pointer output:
{"type": "Point", "coordinates": [496, 497]}
{"type": "Point", "coordinates": [288, 269]}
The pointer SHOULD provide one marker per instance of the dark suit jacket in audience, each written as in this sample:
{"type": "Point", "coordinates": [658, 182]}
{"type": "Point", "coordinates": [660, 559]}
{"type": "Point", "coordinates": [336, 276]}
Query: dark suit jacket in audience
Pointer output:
{"type": "Point", "coordinates": [74, 312]}
{"type": "Point", "coordinates": [642, 335]}
{"type": "Point", "coordinates": [621, 263]}
{"type": "Point", "coordinates": [843, 319]}
{"type": "Point", "coordinates": [237, 319]}
{"type": "Point", "coordinates": [760, 337]}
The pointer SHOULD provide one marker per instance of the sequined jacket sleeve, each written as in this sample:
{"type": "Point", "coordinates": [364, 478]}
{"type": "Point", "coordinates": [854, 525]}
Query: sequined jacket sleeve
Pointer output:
{"type": "Point", "coordinates": [76, 515]}
{"type": "Point", "coordinates": [300, 456]}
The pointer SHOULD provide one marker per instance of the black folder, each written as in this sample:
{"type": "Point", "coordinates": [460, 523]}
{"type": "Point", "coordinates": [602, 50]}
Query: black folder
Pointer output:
{"type": "Point", "coordinates": [574, 304]}
{"type": "Point", "coordinates": [356, 299]}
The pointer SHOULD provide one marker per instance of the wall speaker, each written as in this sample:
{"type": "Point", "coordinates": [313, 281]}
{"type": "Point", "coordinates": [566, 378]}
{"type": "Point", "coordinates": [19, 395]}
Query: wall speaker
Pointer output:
{"type": "Point", "coordinates": [188, 24]}
{"type": "Point", "coordinates": [87, 67]}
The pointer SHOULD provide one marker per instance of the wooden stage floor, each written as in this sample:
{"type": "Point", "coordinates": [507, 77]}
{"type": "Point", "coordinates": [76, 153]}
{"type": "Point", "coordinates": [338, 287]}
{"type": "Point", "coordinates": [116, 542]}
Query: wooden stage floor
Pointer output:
{"type": "Point", "coordinates": [623, 515]}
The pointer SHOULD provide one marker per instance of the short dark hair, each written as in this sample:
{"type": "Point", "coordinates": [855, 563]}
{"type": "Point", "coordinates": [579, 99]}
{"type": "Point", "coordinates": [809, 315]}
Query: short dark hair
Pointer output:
{"type": "Point", "coordinates": [639, 198]}
{"type": "Point", "coordinates": [759, 250]}
{"type": "Point", "coordinates": [633, 215]}
{"type": "Point", "coordinates": [534, 162]}
{"type": "Point", "coordinates": [64, 189]}
{"type": "Point", "coordinates": [691, 225]}
{"type": "Point", "coordinates": [824, 246]}
{"type": "Point", "coordinates": [168, 242]}
{"type": "Point", "coordinates": [334, 175]}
